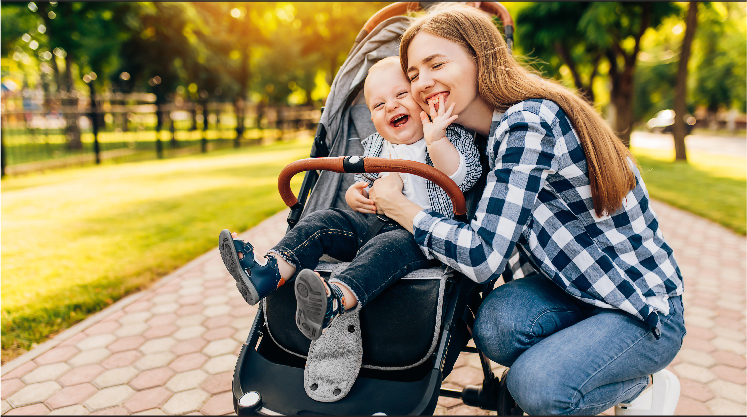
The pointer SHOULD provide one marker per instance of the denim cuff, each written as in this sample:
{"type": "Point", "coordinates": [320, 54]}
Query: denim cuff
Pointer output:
{"type": "Point", "coordinates": [358, 301]}
{"type": "Point", "coordinates": [287, 256]}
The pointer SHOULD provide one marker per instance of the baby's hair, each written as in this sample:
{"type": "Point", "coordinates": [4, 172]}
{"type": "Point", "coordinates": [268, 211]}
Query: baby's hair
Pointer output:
{"type": "Point", "coordinates": [390, 61]}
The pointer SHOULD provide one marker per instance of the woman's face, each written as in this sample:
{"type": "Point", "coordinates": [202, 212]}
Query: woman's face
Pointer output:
{"type": "Point", "coordinates": [440, 67]}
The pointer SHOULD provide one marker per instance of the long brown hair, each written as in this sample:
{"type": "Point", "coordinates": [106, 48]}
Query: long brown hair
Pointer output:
{"type": "Point", "coordinates": [502, 82]}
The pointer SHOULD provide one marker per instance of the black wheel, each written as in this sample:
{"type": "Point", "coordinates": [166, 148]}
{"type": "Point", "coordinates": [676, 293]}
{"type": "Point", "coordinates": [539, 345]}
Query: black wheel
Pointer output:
{"type": "Point", "coordinates": [507, 406]}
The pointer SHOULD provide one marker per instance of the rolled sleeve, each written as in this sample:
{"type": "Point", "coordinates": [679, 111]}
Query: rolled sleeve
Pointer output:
{"type": "Point", "coordinates": [422, 226]}
{"type": "Point", "coordinates": [461, 173]}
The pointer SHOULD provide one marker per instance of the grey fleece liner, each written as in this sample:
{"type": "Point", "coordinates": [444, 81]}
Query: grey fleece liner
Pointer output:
{"type": "Point", "coordinates": [334, 360]}
{"type": "Point", "coordinates": [430, 273]}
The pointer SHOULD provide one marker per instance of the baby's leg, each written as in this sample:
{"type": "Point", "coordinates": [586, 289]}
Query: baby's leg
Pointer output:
{"type": "Point", "coordinates": [381, 261]}
{"type": "Point", "coordinates": [384, 259]}
{"type": "Point", "coordinates": [337, 233]}
{"type": "Point", "coordinates": [332, 232]}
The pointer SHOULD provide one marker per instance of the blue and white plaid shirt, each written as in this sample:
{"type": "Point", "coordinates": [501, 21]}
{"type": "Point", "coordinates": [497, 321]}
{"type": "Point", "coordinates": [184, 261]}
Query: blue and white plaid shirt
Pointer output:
{"type": "Point", "coordinates": [538, 199]}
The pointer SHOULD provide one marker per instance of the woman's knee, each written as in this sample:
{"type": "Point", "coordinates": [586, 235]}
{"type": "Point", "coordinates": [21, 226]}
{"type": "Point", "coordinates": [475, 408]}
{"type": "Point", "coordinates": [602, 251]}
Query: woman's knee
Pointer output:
{"type": "Point", "coordinates": [538, 394]}
{"type": "Point", "coordinates": [499, 329]}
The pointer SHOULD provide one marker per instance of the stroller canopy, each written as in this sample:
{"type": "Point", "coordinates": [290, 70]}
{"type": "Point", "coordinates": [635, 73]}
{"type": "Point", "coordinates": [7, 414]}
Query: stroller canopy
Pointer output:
{"type": "Point", "coordinates": [346, 118]}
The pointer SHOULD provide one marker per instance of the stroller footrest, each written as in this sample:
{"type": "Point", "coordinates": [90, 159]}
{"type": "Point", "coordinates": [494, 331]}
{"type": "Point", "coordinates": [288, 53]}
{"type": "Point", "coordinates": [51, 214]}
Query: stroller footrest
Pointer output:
{"type": "Point", "coordinates": [282, 391]}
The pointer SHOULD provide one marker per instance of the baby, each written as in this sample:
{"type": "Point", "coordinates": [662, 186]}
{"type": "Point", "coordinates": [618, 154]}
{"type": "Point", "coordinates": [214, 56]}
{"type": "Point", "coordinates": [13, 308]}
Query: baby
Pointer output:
{"type": "Point", "coordinates": [404, 131]}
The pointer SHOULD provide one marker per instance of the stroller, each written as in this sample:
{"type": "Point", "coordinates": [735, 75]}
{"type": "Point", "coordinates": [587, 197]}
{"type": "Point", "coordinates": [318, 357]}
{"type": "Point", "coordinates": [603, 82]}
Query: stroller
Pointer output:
{"type": "Point", "coordinates": [405, 356]}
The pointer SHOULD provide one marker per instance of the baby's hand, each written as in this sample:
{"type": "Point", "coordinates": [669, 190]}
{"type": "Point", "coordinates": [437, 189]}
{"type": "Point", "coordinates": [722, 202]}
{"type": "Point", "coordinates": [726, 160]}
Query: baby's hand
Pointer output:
{"type": "Point", "coordinates": [435, 128]}
{"type": "Point", "coordinates": [357, 198]}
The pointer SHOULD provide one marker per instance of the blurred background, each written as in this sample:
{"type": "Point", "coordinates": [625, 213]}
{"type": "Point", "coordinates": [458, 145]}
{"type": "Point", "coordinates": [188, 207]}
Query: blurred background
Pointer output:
{"type": "Point", "coordinates": [206, 102]}
{"type": "Point", "coordinates": [113, 80]}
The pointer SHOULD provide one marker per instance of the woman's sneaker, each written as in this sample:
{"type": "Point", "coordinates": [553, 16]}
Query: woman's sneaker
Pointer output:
{"type": "Point", "coordinates": [253, 280]}
{"type": "Point", "coordinates": [659, 399]}
{"type": "Point", "coordinates": [315, 309]}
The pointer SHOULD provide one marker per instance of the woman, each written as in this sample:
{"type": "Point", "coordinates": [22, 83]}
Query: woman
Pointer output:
{"type": "Point", "coordinates": [603, 311]}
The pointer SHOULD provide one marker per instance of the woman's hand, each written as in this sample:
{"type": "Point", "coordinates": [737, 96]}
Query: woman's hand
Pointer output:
{"type": "Point", "coordinates": [357, 198]}
{"type": "Point", "coordinates": [386, 189]}
{"type": "Point", "coordinates": [387, 195]}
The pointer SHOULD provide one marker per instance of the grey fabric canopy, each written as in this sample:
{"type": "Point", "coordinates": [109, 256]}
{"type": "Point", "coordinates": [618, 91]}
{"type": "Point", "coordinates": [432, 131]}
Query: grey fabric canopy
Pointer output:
{"type": "Point", "coordinates": [346, 118]}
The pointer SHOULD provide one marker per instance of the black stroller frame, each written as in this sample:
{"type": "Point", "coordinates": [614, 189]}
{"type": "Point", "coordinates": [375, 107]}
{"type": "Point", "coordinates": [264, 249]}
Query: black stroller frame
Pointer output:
{"type": "Point", "coordinates": [268, 378]}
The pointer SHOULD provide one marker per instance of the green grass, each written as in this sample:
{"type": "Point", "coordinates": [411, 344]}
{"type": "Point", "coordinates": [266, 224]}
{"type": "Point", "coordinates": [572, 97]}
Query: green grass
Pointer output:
{"type": "Point", "coordinates": [74, 241]}
{"type": "Point", "coordinates": [711, 186]}
{"type": "Point", "coordinates": [23, 146]}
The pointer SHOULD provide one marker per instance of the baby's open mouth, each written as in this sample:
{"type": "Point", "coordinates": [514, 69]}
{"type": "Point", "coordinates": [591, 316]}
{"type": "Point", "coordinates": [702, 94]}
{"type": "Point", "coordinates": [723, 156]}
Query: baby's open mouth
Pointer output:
{"type": "Point", "coordinates": [400, 120]}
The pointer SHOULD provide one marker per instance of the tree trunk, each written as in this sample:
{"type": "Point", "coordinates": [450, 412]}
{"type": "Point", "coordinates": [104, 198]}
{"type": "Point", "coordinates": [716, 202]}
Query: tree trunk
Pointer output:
{"type": "Point", "coordinates": [622, 92]}
{"type": "Point", "coordinates": [94, 116]}
{"type": "Point", "coordinates": [624, 105]}
{"type": "Point", "coordinates": [621, 98]}
{"type": "Point", "coordinates": [680, 92]}
{"type": "Point", "coordinates": [583, 91]}
{"type": "Point", "coordinates": [238, 102]}
{"type": "Point", "coordinates": [238, 106]}
{"type": "Point", "coordinates": [160, 101]}
{"type": "Point", "coordinates": [72, 130]}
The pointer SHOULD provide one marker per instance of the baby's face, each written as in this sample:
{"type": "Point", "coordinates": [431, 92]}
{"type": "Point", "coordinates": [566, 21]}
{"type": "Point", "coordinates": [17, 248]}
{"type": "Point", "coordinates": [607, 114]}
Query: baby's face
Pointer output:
{"type": "Point", "coordinates": [394, 112]}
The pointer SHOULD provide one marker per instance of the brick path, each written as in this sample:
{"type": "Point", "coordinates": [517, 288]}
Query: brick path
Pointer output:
{"type": "Point", "coordinates": [172, 348]}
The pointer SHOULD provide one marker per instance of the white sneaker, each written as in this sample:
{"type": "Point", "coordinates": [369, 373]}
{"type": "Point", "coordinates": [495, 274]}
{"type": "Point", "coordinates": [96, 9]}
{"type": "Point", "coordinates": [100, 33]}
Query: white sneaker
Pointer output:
{"type": "Point", "coordinates": [658, 399]}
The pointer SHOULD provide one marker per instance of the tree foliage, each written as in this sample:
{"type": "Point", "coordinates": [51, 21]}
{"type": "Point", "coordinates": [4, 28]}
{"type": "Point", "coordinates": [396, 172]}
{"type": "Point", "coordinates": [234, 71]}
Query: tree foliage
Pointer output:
{"type": "Point", "coordinates": [719, 57]}
{"type": "Point", "coordinates": [282, 53]}
{"type": "Point", "coordinates": [582, 34]}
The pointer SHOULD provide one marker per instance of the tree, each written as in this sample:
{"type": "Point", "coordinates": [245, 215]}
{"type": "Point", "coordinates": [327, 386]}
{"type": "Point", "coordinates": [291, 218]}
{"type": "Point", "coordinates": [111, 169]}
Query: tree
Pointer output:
{"type": "Point", "coordinates": [560, 44]}
{"type": "Point", "coordinates": [330, 30]}
{"type": "Point", "coordinates": [680, 92]}
{"type": "Point", "coordinates": [719, 78]}
{"type": "Point", "coordinates": [84, 35]}
{"type": "Point", "coordinates": [160, 51]}
{"type": "Point", "coordinates": [230, 34]}
{"type": "Point", "coordinates": [614, 29]}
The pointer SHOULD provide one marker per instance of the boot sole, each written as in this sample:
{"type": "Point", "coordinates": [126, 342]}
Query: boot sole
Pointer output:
{"type": "Point", "coordinates": [311, 303]}
{"type": "Point", "coordinates": [231, 260]}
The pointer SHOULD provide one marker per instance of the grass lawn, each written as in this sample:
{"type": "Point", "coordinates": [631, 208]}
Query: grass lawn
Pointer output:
{"type": "Point", "coordinates": [711, 186]}
{"type": "Point", "coordinates": [74, 241]}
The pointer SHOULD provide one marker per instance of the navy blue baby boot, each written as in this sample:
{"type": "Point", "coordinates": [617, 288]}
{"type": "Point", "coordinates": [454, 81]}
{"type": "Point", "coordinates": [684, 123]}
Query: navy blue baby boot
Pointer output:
{"type": "Point", "coordinates": [314, 308]}
{"type": "Point", "coordinates": [253, 280]}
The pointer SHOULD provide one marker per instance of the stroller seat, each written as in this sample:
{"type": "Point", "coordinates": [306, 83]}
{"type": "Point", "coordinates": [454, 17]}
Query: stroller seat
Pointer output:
{"type": "Point", "coordinates": [399, 329]}
{"type": "Point", "coordinates": [405, 347]}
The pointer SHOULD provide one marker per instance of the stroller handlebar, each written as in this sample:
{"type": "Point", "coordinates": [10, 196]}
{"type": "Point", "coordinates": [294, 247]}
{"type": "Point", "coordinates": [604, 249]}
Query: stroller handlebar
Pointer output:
{"type": "Point", "coordinates": [358, 164]}
{"type": "Point", "coordinates": [400, 8]}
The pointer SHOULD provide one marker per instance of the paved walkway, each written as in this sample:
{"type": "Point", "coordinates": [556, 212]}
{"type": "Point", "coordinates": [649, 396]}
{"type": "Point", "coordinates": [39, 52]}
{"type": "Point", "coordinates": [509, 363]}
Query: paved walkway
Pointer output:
{"type": "Point", "coordinates": [172, 348]}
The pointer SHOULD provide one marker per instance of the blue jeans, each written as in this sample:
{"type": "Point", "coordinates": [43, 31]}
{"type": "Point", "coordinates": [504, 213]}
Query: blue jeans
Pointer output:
{"type": "Point", "coordinates": [567, 357]}
{"type": "Point", "coordinates": [374, 265]}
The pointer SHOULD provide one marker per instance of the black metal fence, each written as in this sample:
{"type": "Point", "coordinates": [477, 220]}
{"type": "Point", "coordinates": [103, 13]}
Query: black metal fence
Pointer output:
{"type": "Point", "coordinates": [50, 131]}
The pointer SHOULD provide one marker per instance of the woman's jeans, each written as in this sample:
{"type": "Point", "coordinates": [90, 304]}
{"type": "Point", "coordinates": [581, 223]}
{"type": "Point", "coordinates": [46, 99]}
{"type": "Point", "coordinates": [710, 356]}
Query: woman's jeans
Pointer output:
{"type": "Point", "coordinates": [568, 357]}
{"type": "Point", "coordinates": [374, 265]}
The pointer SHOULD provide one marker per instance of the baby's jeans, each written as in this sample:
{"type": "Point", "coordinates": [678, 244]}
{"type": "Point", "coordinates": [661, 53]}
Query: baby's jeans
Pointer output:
{"type": "Point", "coordinates": [567, 357]}
{"type": "Point", "coordinates": [374, 265]}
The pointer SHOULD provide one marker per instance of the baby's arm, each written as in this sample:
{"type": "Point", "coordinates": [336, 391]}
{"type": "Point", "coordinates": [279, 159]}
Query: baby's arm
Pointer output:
{"type": "Point", "coordinates": [444, 155]}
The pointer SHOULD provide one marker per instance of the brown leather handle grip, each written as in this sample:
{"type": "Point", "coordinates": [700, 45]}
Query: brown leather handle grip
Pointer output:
{"type": "Point", "coordinates": [400, 8]}
{"type": "Point", "coordinates": [338, 164]}
{"type": "Point", "coordinates": [497, 9]}
{"type": "Point", "coordinates": [394, 9]}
